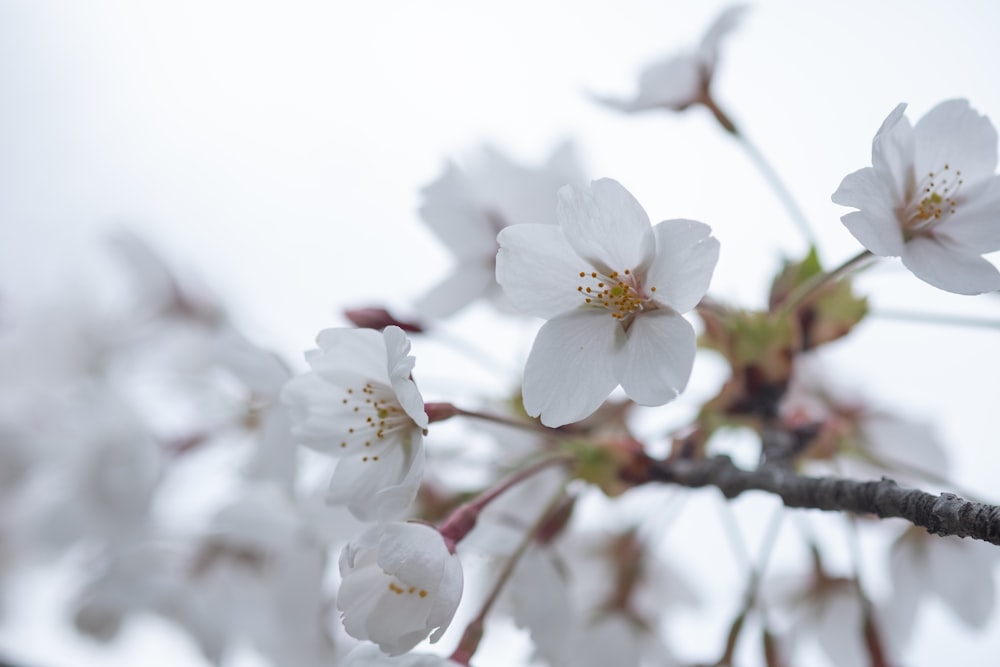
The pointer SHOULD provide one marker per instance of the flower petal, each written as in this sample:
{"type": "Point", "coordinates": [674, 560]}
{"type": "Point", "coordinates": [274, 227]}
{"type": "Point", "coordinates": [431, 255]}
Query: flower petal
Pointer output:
{"type": "Point", "coordinates": [671, 84]}
{"type": "Point", "coordinates": [686, 255]}
{"type": "Point", "coordinates": [449, 594]}
{"type": "Point", "coordinates": [892, 154]}
{"type": "Point", "coordinates": [570, 372]}
{"type": "Point", "coordinates": [867, 190]}
{"type": "Point", "coordinates": [972, 596]}
{"type": "Point", "coordinates": [352, 353]}
{"type": "Point", "coordinates": [952, 133]}
{"type": "Point", "coordinates": [399, 622]}
{"type": "Point", "coordinates": [724, 23]}
{"type": "Point", "coordinates": [606, 226]}
{"type": "Point", "coordinates": [469, 281]}
{"type": "Point", "coordinates": [538, 270]}
{"type": "Point", "coordinates": [950, 270]}
{"type": "Point", "coordinates": [880, 235]}
{"type": "Point", "coordinates": [415, 553]}
{"type": "Point", "coordinates": [451, 210]}
{"type": "Point", "coordinates": [399, 367]}
{"type": "Point", "coordinates": [656, 362]}
{"type": "Point", "coordinates": [975, 225]}
{"type": "Point", "coordinates": [379, 487]}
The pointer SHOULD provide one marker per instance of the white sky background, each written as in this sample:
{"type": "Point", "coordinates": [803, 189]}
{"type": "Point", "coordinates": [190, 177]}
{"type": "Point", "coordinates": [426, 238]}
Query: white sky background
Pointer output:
{"type": "Point", "coordinates": [279, 149]}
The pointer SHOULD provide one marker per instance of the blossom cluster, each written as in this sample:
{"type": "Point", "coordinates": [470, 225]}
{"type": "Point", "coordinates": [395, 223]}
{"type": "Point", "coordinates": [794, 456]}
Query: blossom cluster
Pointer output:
{"type": "Point", "coordinates": [337, 518]}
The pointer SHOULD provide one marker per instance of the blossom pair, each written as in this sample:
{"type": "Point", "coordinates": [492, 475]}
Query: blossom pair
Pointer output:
{"type": "Point", "coordinates": [358, 403]}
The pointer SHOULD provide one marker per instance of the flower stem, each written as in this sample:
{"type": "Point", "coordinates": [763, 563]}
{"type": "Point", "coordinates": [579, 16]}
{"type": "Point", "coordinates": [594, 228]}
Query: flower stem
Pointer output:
{"type": "Point", "coordinates": [872, 636]}
{"type": "Point", "coordinates": [772, 178]}
{"type": "Point", "coordinates": [753, 586]}
{"type": "Point", "coordinates": [933, 318]}
{"type": "Point", "coordinates": [810, 288]}
{"type": "Point", "coordinates": [464, 518]}
{"type": "Point", "coordinates": [474, 631]}
{"type": "Point", "coordinates": [763, 166]}
{"type": "Point", "coordinates": [533, 426]}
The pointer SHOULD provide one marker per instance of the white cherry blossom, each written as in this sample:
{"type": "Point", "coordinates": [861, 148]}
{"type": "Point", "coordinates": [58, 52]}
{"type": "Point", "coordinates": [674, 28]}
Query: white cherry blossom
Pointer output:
{"type": "Point", "coordinates": [400, 584]}
{"type": "Point", "coordinates": [684, 79]}
{"type": "Point", "coordinates": [931, 197]}
{"type": "Point", "coordinates": [359, 404]}
{"type": "Point", "coordinates": [466, 207]}
{"type": "Point", "coordinates": [613, 289]}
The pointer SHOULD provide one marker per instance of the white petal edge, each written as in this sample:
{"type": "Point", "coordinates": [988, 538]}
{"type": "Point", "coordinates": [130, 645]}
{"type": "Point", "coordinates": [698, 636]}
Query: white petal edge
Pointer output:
{"type": "Point", "coordinates": [655, 364]}
{"type": "Point", "coordinates": [950, 270]}
{"type": "Point", "coordinates": [570, 370]}
{"type": "Point", "coordinates": [469, 281]}
{"type": "Point", "coordinates": [399, 365]}
{"type": "Point", "coordinates": [686, 255]}
{"type": "Point", "coordinates": [538, 270]}
{"type": "Point", "coordinates": [955, 134]}
{"type": "Point", "coordinates": [882, 236]}
{"type": "Point", "coordinates": [606, 225]}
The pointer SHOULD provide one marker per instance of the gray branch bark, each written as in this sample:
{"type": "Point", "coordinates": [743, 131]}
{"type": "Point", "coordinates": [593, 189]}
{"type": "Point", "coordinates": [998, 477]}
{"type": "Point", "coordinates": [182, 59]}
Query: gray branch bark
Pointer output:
{"type": "Point", "coordinates": [945, 514]}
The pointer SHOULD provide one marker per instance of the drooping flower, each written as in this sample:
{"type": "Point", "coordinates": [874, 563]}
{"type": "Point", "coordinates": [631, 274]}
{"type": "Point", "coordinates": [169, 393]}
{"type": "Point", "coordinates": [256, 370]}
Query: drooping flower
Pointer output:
{"type": "Point", "coordinates": [613, 289]}
{"type": "Point", "coordinates": [931, 197]}
{"type": "Point", "coordinates": [359, 404]}
{"type": "Point", "coordinates": [682, 80]}
{"type": "Point", "coordinates": [466, 208]}
{"type": "Point", "coordinates": [400, 584]}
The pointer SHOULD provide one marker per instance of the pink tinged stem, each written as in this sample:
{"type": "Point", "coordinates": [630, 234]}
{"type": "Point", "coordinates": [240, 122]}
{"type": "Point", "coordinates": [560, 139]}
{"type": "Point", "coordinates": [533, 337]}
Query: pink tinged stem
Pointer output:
{"type": "Point", "coordinates": [463, 520]}
{"type": "Point", "coordinates": [474, 631]}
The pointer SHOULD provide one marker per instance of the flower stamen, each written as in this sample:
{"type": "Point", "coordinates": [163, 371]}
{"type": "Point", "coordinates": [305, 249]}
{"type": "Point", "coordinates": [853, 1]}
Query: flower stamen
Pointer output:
{"type": "Point", "coordinates": [619, 292]}
{"type": "Point", "coordinates": [382, 414]}
{"type": "Point", "coordinates": [938, 199]}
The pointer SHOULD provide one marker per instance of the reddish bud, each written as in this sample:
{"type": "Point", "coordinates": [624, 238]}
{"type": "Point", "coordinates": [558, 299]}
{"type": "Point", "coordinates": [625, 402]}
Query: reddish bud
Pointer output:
{"type": "Point", "coordinates": [378, 318]}
{"type": "Point", "coordinates": [437, 412]}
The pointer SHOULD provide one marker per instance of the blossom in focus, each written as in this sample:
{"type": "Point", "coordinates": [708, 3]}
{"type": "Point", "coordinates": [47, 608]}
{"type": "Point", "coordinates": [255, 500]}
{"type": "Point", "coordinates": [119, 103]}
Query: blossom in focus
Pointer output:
{"type": "Point", "coordinates": [613, 289]}
{"type": "Point", "coordinates": [400, 584]}
{"type": "Point", "coordinates": [682, 80]}
{"type": "Point", "coordinates": [466, 208]}
{"type": "Point", "coordinates": [359, 404]}
{"type": "Point", "coordinates": [931, 197]}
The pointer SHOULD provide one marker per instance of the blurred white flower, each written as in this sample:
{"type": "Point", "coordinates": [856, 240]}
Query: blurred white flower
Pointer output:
{"type": "Point", "coordinates": [853, 436]}
{"type": "Point", "coordinates": [466, 208]}
{"type": "Point", "coordinates": [256, 577]}
{"type": "Point", "coordinates": [682, 80]}
{"type": "Point", "coordinates": [264, 375]}
{"type": "Point", "coordinates": [400, 584]}
{"type": "Point", "coordinates": [359, 404]}
{"type": "Point", "coordinates": [931, 197]}
{"type": "Point", "coordinates": [367, 655]}
{"type": "Point", "coordinates": [958, 572]}
{"type": "Point", "coordinates": [613, 289]}
{"type": "Point", "coordinates": [100, 477]}
{"type": "Point", "coordinates": [833, 615]}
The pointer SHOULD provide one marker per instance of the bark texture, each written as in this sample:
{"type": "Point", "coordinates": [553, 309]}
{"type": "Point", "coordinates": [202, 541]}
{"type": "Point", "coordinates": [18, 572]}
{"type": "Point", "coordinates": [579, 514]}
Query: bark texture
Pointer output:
{"type": "Point", "coordinates": [944, 514]}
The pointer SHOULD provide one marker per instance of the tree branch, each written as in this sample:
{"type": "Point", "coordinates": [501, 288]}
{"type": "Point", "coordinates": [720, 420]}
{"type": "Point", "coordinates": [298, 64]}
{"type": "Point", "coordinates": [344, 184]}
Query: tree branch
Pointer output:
{"type": "Point", "coordinates": [946, 514]}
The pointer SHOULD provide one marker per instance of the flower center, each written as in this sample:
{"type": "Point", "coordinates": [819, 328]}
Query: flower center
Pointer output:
{"type": "Point", "coordinates": [377, 413]}
{"type": "Point", "coordinates": [621, 293]}
{"type": "Point", "coordinates": [935, 199]}
{"type": "Point", "coordinates": [400, 588]}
